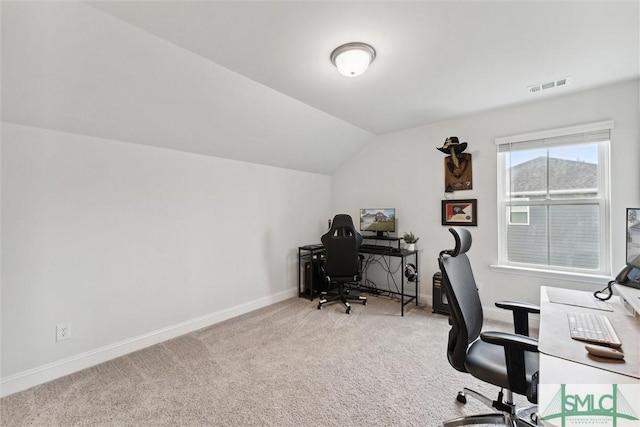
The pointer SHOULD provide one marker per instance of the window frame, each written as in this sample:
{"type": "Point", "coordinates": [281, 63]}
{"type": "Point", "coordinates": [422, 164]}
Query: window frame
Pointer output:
{"type": "Point", "coordinates": [602, 201]}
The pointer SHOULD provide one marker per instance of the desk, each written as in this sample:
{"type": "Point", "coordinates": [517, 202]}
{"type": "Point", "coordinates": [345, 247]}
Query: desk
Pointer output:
{"type": "Point", "coordinates": [403, 255]}
{"type": "Point", "coordinates": [554, 339]}
{"type": "Point", "coordinates": [314, 253]}
{"type": "Point", "coordinates": [564, 361]}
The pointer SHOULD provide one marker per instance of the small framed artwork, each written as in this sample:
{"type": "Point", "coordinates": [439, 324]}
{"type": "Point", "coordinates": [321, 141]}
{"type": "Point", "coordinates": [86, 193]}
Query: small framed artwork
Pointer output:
{"type": "Point", "coordinates": [460, 212]}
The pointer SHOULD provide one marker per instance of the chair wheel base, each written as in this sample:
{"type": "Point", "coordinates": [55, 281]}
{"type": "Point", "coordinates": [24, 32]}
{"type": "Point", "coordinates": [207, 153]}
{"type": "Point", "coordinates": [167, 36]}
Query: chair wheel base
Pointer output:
{"type": "Point", "coordinates": [461, 398]}
{"type": "Point", "coordinates": [343, 298]}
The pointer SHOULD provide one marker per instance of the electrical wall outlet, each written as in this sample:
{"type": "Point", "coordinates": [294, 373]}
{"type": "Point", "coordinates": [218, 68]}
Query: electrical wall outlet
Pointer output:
{"type": "Point", "coordinates": [63, 331]}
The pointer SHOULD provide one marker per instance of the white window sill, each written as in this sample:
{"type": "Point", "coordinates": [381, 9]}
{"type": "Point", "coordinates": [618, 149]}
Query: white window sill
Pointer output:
{"type": "Point", "coordinates": [595, 279]}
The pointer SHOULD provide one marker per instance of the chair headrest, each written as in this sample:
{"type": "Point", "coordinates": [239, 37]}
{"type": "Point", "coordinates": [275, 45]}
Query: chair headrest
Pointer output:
{"type": "Point", "coordinates": [342, 220]}
{"type": "Point", "coordinates": [463, 241]}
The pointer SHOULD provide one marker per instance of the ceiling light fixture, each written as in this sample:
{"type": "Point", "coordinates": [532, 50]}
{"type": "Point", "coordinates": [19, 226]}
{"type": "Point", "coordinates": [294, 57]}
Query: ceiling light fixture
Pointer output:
{"type": "Point", "coordinates": [353, 59]}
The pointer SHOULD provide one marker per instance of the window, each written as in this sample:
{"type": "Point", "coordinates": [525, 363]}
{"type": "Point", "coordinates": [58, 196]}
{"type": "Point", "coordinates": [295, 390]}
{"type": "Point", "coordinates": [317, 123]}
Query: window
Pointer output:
{"type": "Point", "coordinates": [518, 215]}
{"type": "Point", "coordinates": [553, 207]}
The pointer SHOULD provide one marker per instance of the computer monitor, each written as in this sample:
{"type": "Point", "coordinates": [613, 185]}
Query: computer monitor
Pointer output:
{"type": "Point", "coordinates": [378, 220]}
{"type": "Point", "coordinates": [633, 237]}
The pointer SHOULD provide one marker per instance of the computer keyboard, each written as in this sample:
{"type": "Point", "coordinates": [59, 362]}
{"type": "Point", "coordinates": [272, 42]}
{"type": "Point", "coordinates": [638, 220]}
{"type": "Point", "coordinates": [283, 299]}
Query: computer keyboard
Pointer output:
{"type": "Point", "coordinates": [591, 327]}
{"type": "Point", "coordinates": [377, 249]}
{"type": "Point", "coordinates": [368, 246]}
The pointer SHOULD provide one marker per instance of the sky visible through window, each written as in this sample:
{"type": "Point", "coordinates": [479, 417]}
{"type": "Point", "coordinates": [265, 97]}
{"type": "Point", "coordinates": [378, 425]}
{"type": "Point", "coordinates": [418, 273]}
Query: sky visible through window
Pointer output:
{"type": "Point", "coordinates": [587, 153]}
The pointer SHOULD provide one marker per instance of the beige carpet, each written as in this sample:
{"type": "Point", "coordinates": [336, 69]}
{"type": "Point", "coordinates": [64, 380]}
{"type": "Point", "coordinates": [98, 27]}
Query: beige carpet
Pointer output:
{"type": "Point", "coordinates": [285, 365]}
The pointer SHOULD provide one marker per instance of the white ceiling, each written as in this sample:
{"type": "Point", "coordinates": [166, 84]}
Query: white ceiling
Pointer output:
{"type": "Point", "coordinates": [261, 81]}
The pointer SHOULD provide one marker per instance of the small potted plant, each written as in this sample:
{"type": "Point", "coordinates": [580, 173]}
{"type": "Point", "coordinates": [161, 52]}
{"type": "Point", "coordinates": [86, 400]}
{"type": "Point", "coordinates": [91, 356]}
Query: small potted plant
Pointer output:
{"type": "Point", "coordinates": [410, 241]}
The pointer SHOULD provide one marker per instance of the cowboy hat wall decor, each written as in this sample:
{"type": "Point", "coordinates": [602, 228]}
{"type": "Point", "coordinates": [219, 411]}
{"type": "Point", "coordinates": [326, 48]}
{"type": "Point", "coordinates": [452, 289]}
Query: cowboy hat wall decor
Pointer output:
{"type": "Point", "coordinates": [457, 166]}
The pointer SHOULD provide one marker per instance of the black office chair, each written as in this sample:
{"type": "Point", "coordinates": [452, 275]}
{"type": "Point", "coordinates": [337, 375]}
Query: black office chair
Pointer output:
{"type": "Point", "coordinates": [509, 361]}
{"type": "Point", "coordinates": [342, 261]}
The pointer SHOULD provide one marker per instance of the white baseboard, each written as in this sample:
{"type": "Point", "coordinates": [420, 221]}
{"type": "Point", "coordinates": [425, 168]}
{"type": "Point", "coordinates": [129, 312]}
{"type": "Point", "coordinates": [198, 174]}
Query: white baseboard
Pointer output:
{"type": "Point", "coordinates": [42, 374]}
{"type": "Point", "coordinates": [425, 299]}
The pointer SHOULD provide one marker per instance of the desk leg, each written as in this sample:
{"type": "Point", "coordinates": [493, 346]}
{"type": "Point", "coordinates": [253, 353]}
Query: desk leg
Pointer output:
{"type": "Point", "coordinates": [417, 278]}
{"type": "Point", "coordinates": [299, 267]}
{"type": "Point", "coordinates": [311, 288]}
{"type": "Point", "coordinates": [402, 287]}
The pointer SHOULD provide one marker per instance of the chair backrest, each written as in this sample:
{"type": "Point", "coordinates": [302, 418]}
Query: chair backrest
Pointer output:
{"type": "Point", "coordinates": [463, 299]}
{"type": "Point", "coordinates": [342, 244]}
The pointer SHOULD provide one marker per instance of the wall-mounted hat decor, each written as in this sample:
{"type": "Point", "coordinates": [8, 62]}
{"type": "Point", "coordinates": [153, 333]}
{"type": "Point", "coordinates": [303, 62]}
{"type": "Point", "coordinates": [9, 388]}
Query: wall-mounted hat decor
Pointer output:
{"type": "Point", "coordinates": [457, 165]}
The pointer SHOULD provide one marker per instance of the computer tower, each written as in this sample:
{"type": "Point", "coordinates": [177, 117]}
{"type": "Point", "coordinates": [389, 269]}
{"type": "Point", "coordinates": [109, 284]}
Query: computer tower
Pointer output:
{"type": "Point", "coordinates": [440, 303]}
{"type": "Point", "coordinates": [319, 285]}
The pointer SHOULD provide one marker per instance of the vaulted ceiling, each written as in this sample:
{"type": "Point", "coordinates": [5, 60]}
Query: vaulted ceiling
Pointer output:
{"type": "Point", "coordinates": [252, 81]}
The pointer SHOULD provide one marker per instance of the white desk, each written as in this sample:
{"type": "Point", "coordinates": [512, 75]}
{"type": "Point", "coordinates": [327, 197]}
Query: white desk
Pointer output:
{"type": "Point", "coordinates": [630, 297]}
{"type": "Point", "coordinates": [554, 339]}
{"type": "Point", "coordinates": [564, 361]}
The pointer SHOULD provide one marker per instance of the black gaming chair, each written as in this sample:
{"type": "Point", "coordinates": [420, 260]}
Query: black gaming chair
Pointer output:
{"type": "Point", "coordinates": [509, 361]}
{"type": "Point", "coordinates": [342, 261]}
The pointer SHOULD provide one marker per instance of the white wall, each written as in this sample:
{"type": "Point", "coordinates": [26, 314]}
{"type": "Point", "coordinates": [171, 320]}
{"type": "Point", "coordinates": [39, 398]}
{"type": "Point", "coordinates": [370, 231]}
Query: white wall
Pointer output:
{"type": "Point", "coordinates": [133, 244]}
{"type": "Point", "coordinates": [404, 170]}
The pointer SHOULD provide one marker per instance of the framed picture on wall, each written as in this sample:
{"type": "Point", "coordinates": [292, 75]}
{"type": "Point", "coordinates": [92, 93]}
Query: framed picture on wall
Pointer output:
{"type": "Point", "coordinates": [460, 212]}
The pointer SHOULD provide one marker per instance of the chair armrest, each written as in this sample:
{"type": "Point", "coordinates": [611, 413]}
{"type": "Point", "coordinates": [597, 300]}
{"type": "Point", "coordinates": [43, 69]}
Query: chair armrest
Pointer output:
{"type": "Point", "coordinates": [521, 312]}
{"type": "Point", "coordinates": [514, 347]}
{"type": "Point", "coordinates": [518, 305]}
{"type": "Point", "coordinates": [508, 340]}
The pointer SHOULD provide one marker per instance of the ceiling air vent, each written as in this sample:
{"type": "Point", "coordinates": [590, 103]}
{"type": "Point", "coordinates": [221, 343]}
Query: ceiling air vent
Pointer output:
{"type": "Point", "coordinates": [549, 85]}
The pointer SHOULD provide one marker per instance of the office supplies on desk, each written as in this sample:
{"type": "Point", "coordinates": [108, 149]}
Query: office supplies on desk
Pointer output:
{"type": "Point", "coordinates": [378, 249]}
{"type": "Point", "coordinates": [555, 341]}
{"type": "Point", "coordinates": [567, 297]}
{"type": "Point", "coordinates": [606, 352]}
{"type": "Point", "coordinates": [591, 327]}
{"type": "Point", "coordinates": [630, 275]}
{"type": "Point", "coordinates": [370, 247]}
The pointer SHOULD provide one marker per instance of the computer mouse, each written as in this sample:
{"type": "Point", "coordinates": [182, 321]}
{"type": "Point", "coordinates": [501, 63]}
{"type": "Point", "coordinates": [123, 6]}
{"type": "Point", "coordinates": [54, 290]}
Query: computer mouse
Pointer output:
{"type": "Point", "coordinates": [606, 352]}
